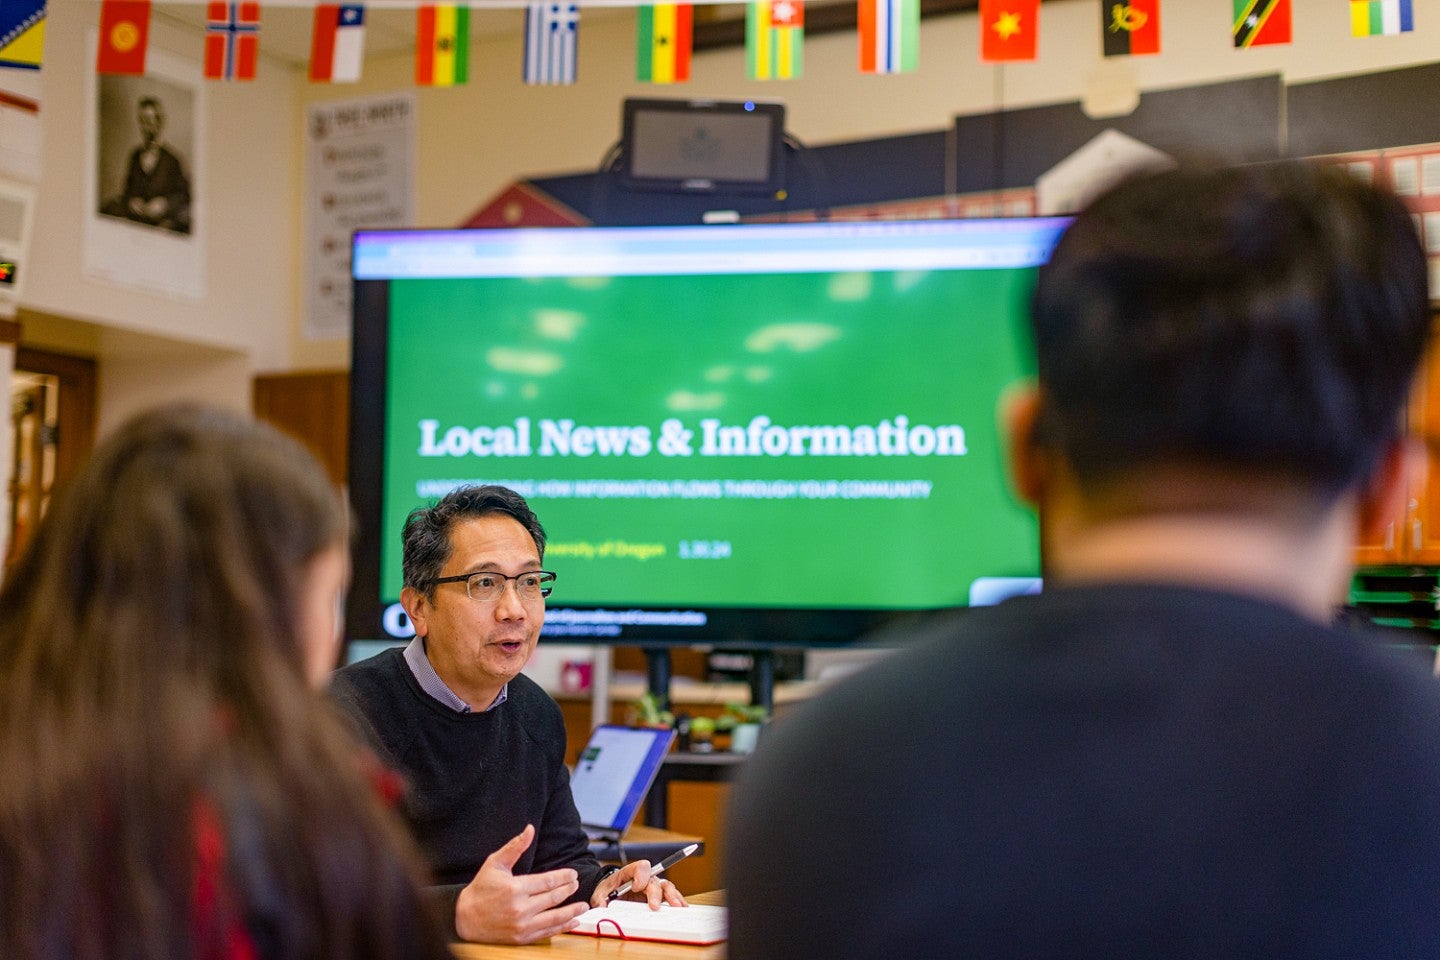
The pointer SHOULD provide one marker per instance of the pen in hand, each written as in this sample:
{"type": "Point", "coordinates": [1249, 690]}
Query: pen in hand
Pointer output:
{"type": "Point", "coordinates": [656, 870]}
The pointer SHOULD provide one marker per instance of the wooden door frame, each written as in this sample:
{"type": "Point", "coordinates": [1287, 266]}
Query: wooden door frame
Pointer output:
{"type": "Point", "coordinates": [79, 386]}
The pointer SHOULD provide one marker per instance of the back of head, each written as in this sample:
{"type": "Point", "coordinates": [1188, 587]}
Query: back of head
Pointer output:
{"type": "Point", "coordinates": [1265, 319]}
{"type": "Point", "coordinates": [152, 682]}
{"type": "Point", "coordinates": [179, 548]}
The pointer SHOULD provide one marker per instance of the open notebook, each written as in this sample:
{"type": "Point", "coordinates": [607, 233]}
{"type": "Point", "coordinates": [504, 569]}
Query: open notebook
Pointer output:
{"type": "Point", "coordinates": [613, 774]}
{"type": "Point", "coordinates": [633, 920]}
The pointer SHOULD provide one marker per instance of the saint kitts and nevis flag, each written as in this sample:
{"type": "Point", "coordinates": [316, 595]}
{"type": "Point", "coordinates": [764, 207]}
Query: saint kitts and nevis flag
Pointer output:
{"type": "Point", "coordinates": [1376, 18]}
{"type": "Point", "coordinates": [124, 37]}
{"type": "Point", "coordinates": [1260, 23]}
{"type": "Point", "coordinates": [337, 43]}
{"type": "Point", "coordinates": [1009, 30]}
{"type": "Point", "coordinates": [889, 35]}
{"type": "Point", "coordinates": [664, 34]}
{"type": "Point", "coordinates": [775, 39]}
{"type": "Point", "coordinates": [1130, 28]}
{"type": "Point", "coordinates": [442, 45]}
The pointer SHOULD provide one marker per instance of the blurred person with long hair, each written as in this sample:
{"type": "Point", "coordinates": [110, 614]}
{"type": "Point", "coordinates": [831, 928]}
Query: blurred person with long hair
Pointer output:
{"type": "Point", "coordinates": [173, 786]}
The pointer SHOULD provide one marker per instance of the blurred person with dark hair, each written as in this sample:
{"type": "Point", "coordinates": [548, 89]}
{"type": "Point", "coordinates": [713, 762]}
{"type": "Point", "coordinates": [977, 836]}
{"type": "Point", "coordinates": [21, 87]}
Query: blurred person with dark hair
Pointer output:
{"type": "Point", "coordinates": [1170, 752]}
{"type": "Point", "coordinates": [174, 786]}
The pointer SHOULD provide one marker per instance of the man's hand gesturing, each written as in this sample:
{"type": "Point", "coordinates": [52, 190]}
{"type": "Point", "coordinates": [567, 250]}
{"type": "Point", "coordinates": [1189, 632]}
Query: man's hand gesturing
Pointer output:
{"type": "Point", "coordinates": [499, 907]}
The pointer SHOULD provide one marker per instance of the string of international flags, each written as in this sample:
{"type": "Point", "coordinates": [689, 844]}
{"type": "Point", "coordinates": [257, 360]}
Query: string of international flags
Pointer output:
{"type": "Point", "coordinates": [888, 34]}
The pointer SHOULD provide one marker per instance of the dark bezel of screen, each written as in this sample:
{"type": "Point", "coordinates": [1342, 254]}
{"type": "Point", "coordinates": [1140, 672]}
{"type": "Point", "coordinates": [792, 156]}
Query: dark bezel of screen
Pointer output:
{"type": "Point", "coordinates": [634, 107]}
{"type": "Point", "coordinates": [725, 626]}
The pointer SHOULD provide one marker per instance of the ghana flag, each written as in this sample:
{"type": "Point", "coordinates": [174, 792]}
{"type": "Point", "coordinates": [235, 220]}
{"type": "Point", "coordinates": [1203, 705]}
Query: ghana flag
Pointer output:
{"type": "Point", "coordinates": [1130, 28]}
{"type": "Point", "coordinates": [1258, 23]}
{"type": "Point", "coordinates": [662, 45]}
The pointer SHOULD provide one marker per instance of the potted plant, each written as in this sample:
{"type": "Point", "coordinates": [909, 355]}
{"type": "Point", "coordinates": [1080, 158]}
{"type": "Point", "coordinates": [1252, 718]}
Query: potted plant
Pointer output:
{"type": "Point", "coordinates": [649, 711]}
{"type": "Point", "coordinates": [744, 721]}
{"type": "Point", "coordinates": [702, 734]}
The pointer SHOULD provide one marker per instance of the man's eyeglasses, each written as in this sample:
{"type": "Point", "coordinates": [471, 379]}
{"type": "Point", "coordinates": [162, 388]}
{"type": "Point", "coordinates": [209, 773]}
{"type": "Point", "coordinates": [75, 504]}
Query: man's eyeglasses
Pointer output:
{"type": "Point", "coordinates": [535, 585]}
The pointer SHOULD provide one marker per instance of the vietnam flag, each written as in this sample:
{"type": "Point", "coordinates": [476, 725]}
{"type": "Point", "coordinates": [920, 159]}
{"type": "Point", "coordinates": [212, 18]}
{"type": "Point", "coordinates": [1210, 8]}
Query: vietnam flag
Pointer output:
{"type": "Point", "coordinates": [1130, 28]}
{"type": "Point", "coordinates": [1259, 23]}
{"type": "Point", "coordinates": [124, 36]}
{"type": "Point", "coordinates": [442, 45]}
{"type": "Point", "coordinates": [662, 44]}
{"type": "Point", "coordinates": [775, 39]}
{"type": "Point", "coordinates": [1009, 29]}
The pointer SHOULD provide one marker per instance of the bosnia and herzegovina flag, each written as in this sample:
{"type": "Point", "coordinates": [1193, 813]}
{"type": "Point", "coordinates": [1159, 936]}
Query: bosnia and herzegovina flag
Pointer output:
{"type": "Point", "coordinates": [1261, 22]}
{"type": "Point", "coordinates": [22, 33]}
{"type": "Point", "coordinates": [1375, 18]}
{"type": "Point", "coordinates": [775, 39]}
{"type": "Point", "coordinates": [664, 34]}
{"type": "Point", "coordinates": [442, 45]}
{"type": "Point", "coordinates": [1130, 28]}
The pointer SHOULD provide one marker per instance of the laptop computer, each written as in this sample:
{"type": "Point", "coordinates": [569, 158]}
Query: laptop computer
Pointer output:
{"type": "Point", "coordinates": [613, 774]}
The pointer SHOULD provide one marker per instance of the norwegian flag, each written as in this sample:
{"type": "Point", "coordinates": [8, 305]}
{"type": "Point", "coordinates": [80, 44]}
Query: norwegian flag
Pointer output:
{"type": "Point", "coordinates": [232, 39]}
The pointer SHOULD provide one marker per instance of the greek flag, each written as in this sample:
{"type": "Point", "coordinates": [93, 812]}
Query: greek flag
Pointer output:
{"type": "Point", "coordinates": [551, 31]}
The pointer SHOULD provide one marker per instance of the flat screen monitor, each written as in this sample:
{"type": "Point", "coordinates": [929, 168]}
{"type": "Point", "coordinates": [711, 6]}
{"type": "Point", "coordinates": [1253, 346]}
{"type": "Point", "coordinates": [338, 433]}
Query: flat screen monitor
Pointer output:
{"type": "Point", "coordinates": [703, 146]}
{"type": "Point", "coordinates": [753, 434]}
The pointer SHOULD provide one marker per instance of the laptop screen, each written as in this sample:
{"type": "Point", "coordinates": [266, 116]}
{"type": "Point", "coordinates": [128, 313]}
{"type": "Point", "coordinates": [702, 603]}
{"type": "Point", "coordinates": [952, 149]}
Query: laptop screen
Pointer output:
{"type": "Point", "coordinates": [614, 772]}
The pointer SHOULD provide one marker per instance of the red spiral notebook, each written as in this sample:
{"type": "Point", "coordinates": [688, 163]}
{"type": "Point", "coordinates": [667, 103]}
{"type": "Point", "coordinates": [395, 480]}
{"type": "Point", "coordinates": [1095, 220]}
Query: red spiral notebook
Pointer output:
{"type": "Point", "coordinates": [634, 920]}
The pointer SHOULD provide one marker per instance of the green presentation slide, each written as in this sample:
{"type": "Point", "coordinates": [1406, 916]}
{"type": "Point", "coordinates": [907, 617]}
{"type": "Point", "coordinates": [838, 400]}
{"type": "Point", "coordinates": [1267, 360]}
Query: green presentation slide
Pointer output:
{"type": "Point", "coordinates": [804, 440]}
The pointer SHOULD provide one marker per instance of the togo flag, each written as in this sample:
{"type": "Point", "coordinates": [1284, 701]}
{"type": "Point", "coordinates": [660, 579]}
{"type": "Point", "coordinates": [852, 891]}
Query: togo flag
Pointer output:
{"type": "Point", "coordinates": [1374, 18]}
{"type": "Point", "coordinates": [775, 39]}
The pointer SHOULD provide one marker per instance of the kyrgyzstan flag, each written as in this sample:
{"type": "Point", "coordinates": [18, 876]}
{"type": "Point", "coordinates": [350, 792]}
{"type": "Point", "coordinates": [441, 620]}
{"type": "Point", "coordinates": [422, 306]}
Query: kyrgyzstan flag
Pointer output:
{"type": "Point", "coordinates": [1130, 28]}
{"type": "Point", "coordinates": [1009, 29]}
{"type": "Point", "coordinates": [124, 36]}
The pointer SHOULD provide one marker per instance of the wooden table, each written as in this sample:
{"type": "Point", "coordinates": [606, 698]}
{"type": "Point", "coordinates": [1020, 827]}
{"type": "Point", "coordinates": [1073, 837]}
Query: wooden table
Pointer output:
{"type": "Point", "coordinates": [603, 948]}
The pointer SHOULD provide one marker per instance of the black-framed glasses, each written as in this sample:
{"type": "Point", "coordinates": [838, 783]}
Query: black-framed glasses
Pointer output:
{"type": "Point", "coordinates": [488, 585]}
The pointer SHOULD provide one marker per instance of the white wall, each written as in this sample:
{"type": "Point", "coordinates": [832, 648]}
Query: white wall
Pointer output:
{"type": "Point", "coordinates": [200, 349]}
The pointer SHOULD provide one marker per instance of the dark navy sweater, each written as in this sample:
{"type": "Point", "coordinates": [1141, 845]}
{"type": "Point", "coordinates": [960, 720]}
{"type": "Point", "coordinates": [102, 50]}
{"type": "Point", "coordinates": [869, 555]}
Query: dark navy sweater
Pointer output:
{"type": "Point", "coordinates": [473, 780]}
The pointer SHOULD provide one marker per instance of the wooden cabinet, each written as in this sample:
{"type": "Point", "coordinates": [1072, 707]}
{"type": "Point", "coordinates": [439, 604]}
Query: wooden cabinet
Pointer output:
{"type": "Point", "coordinates": [1412, 538]}
{"type": "Point", "coordinates": [314, 408]}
